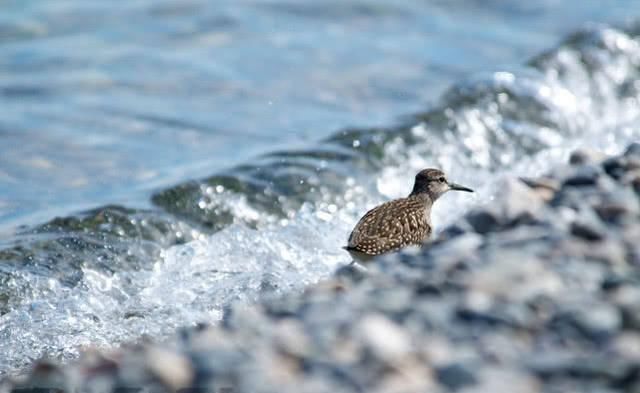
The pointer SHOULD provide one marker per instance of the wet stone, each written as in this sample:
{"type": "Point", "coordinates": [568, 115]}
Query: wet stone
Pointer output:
{"type": "Point", "coordinates": [618, 167]}
{"type": "Point", "coordinates": [455, 250]}
{"type": "Point", "coordinates": [455, 376]}
{"type": "Point", "coordinates": [173, 370]}
{"type": "Point", "coordinates": [386, 340]}
{"type": "Point", "coordinates": [633, 150]}
{"type": "Point", "coordinates": [597, 321]}
{"type": "Point", "coordinates": [607, 251]}
{"type": "Point", "coordinates": [455, 230]}
{"type": "Point", "coordinates": [519, 203]}
{"type": "Point", "coordinates": [585, 156]}
{"type": "Point", "coordinates": [619, 205]}
{"type": "Point", "coordinates": [627, 345]}
{"type": "Point", "coordinates": [542, 182]}
{"type": "Point", "coordinates": [504, 380]}
{"type": "Point", "coordinates": [483, 221]}
{"type": "Point", "coordinates": [394, 301]}
{"type": "Point", "coordinates": [588, 226]}
{"type": "Point", "coordinates": [584, 175]}
{"type": "Point", "coordinates": [290, 337]}
{"type": "Point", "coordinates": [632, 178]}
{"type": "Point", "coordinates": [627, 298]}
{"type": "Point", "coordinates": [633, 163]}
{"type": "Point", "coordinates": [614, 167]}
{"type": "Point", "coordinates": [613, 282]}
{"type": "Point", "coordinates": [282, 308]}
{"type": "Point", "coordinates": [493, 317]}
{"type": "Point", "coordinates": [353, 272]}
{"type": "Point", "coordinates": [546, 188]}
{"type": "Point", "coordinates": [565, 365]}
{"type": "Point", "coordinates": [513, 277]}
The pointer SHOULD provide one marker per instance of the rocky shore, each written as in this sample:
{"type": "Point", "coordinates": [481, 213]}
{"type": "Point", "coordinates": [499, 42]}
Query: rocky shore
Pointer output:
{"type": "Point", "coordinates": [538, 292]}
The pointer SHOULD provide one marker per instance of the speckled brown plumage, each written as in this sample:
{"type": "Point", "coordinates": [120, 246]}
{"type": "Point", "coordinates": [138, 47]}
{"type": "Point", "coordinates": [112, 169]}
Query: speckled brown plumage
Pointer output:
{"type": "Point", "coordinates": [401, 222]}
{"type": "Point", "coordinates": [391, 226]}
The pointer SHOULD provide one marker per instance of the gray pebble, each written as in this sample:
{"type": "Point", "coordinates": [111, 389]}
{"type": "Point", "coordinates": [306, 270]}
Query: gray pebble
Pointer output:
{"type": "Point", "coordinates": [588, 226]}
{"type": "Point", "coordinates": [455, 376]}
{"type": "Point", "coordinates": [583, 175]}
{"type": "Point", "coordinates": [483, 221]}
{"type": "Point", "coordinates": [585, 156]}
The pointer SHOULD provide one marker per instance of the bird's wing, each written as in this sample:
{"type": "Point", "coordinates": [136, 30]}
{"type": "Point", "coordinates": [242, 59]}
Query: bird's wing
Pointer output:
{"type": "Point", "coordinates": [369, 224]}
{"type": "Point", "coordinates": [385, 229]}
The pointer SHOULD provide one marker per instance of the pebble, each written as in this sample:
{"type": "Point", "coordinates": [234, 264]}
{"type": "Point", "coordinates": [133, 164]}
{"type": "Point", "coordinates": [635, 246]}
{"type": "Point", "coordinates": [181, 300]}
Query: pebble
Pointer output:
{"type": "Point", "coordinates": [585, 156]}
{"type": "Point", "coordinates": [384, 338]}
{"type": "Point", "coordinates": [514, 277]}
{"type": "Point", "coordinates": [633, 150]}
{"type": "Point", "coordinates": [291, 338]}
{"type": "Point", "coordinates": [546, 188]}
{"type": "Point", "coordinates": [583, 175]}
{"type": "Point", "coordinates": [588, 226]}
{"type": "Point", "coordinates": [483, 221]}
{"type": "Point", "coordinates": [455, 376]}
{"type": "Point", "coordinates": [172, 369]}
{"type": "Point", "coordinates": [500, 380]}
{"type": "Point", "coordinates": [598, 321]}
{"type": "Point", "coordinates": [518, 201]}
{"type": "Point", "coordinates": [627, 345]}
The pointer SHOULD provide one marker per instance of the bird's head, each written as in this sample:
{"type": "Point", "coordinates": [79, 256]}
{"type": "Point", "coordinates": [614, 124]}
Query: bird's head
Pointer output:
{"type": "Point", "coordinates": [434, 183]}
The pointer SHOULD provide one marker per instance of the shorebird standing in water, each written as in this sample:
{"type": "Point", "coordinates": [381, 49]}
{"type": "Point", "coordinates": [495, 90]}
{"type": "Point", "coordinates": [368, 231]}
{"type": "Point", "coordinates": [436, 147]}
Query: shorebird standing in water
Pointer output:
{"type": "Point", "coordinates": [401, 222]}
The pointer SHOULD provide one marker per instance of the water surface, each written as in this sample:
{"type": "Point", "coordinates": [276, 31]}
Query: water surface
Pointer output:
{"type": "Point", "coordinates": [103, 103]}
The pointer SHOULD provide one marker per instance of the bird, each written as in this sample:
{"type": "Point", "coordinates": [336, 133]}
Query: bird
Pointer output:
{"type": "Point", "coordinates": [401, 222]}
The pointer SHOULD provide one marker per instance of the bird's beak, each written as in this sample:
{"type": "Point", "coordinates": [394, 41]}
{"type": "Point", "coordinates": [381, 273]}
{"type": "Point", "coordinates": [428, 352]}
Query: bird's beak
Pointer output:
{"type": "Point", "coordinates": [458, 187]}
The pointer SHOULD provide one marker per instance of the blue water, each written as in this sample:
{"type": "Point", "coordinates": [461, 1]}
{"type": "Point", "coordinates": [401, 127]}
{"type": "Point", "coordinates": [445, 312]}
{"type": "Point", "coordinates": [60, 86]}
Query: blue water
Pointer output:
{"type": "Point", "coordinates": [104, 103]}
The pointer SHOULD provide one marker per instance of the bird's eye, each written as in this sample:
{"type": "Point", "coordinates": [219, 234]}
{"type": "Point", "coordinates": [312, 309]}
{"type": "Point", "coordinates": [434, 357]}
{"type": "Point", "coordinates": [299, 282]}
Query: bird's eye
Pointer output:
{"type": "Point", "coordinates": [441, 180]}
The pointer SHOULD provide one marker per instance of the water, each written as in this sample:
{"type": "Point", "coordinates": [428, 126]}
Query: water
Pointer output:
{"type": "Point", "coordinates": [107, 109]}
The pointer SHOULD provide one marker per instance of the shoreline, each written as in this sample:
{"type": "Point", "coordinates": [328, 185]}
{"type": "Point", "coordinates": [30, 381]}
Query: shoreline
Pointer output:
{"type": "Point", "coordinates": [539, 290]}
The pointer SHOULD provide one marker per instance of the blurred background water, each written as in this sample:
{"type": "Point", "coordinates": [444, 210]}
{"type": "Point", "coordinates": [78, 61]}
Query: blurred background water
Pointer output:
{"type": "Point", "coordinates": [295, 115]}
{"type": "Point", "coordinates": [104, 103]}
